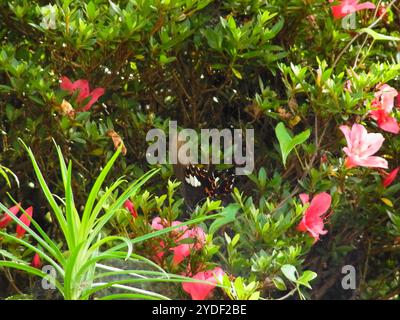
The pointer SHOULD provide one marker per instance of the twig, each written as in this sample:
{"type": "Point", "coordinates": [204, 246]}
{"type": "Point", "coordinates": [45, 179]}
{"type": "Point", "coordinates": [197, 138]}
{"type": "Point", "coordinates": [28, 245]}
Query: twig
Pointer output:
{"type": "Point", "coordinates": [11, 281]}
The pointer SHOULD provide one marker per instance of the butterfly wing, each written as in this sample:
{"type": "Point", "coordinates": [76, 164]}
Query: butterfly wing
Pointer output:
{"type": "Point", "coordinates": [223, 182]}
{"type": "Point", "coordinates": [195, 182]}
{"type": "Point", "coordinates": [201, 183]}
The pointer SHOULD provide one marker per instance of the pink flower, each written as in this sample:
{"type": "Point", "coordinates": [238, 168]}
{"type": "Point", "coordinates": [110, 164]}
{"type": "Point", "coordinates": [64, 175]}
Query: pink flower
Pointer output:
{"type": "Point", "coordinates": [385, 97]}
{"type": "Point", "coordinates": [347, 7]}
{"type": "Point", "coordinates": [82, 86]}
{"type": "Point", "coordinates": [131, 208]}
{"type": "Point", "coordinates": [156, 224]}
{"type": "Point", "coordinates": [6, 219]}
{"type": "Point", "coordinates": [347, 86]}
{"type": "Point", "coordinates": [183, 250]}
{"type": "Point", "coordinates": [313, 220]}
{"type": "Point", "coordinates": [36, 263]}
{"type": "Point", "coordinates": [159, 224]}
{"type": "Point", "coordinates": [361, 145]}
{"type": "Point", "coordinates": [159, 252]}
{"type": "Point", "coordinates": [383, 106]}
{"type": "Point", "coordinates": [390, 177]}
{"type": "Point", "coordinates": [25, 220]}
{"type": "Point", "coordinates": [200, 291]}
{"type": "Point", "coordinates": [304, 197]}
{"type": "Point", "coordinates": [180, 253]}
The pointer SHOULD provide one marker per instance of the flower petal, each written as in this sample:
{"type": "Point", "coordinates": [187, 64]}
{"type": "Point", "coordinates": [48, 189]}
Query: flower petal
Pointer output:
{"type": "Point", "coordinates": [390, 178]}
{"type": "Point", "coordinates": [6, 219]}
{"type": "Point", "coordinates": [156, 224]}
{"type": "Point", "coordinates": [389, 124]}
{"type": "Point", "coordinates": [373, 162]}
{"type": "Point", "coordinates": [66, 84]}
{"type": "Point", "coordinates": [200, 291]}
{"type": "Point", "coordinates": [305, 198]}
{"type": "Point", "coordinates": [347, 134]}
{"type": "Point", "coordinates": [320, 204]}
{"type": "Point", "coordinates": [95, 95]}
{"type": "Point", "coordinates": [131, 208]}
{"type": "Point", "coordinates": [36, 263]}
{"type": "Point", "coordinates": [180, 253]}
{"type": "Point", "coordinates": [25, 220]}
{"type": "Point", "coordinates": [365, 5]}
{"type": "Point", "coordinates": [358, 135]}
{"type": "Point", "coordinates": [370, 144]}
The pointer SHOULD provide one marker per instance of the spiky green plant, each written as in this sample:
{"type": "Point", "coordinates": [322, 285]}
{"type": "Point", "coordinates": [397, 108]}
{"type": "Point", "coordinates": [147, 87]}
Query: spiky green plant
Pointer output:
{"type": "Point", "coordinates": [81, 260]}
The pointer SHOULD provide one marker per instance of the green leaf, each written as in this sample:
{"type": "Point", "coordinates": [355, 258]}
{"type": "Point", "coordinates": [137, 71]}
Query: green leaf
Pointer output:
{"type": "Point", "coordinates": [378, 36]}
{"type": "Point", "coordinates": [228, 216]}
{"type": "Point", "coordinates": [4, 175]}
{"type": "Point", "coordinates": [289, 271]}
{"type": "Point", "coordinates": [4, 88]}
{"type": "Point", "coordinates": [306, 277]}
{"type": "Point", "coordinates": [187, 241]}
{"type": "Point", "coordinates": [236, 73]}
{"type": "Point", "coordinates": [255, 296]}
{"type": "Point", "coordinates": [286, 142]}
{"type": "Point", "coordinates": [91, 10]}
{"type": "Point", "coordinates": [235, 240]}
{"type": "Point", "coordinates": [231, 23]}
{"type": "Point", "coordinates": [49, 196]}
{"type": "Point", "coordinates": [262, 177]}
{"type": "Point", "coordinates": [164, 59]}
{"type": "Point", "coordinates": [82, 116]}
{"type": "Point", "coordinates": [115, 7]}
{"type": "Point", "coordinates": [279, 283]}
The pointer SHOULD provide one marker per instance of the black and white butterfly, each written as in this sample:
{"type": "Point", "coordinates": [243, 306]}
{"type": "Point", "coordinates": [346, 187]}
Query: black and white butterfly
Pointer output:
{"type": "Point", "coordinates": [200, 183]}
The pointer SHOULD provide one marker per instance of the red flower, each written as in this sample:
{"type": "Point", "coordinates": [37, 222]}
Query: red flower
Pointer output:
{"type": "Point", "coordinates": [200, 291]}
{"type": "Point", "coordinates": [25, 220]}
{"type": "Point", "coordinates": [347, 7]}
{"type": "Point", "coordinates": [382, 10]}
{"type": "Point", "coordinates": [131, 208]}
{"type": "Point", "coordinates": [313, 220]}
{"type": "Point", "coordinates": [82, 86]}
{"type": "Point", "coordinates": [6, 218]}
{"type": "Point", "coordinates": [398, 101]}
{"type": "Point", "coordinates": [390, 177]}
{"type": "Point", "coordinates": [36, 263]}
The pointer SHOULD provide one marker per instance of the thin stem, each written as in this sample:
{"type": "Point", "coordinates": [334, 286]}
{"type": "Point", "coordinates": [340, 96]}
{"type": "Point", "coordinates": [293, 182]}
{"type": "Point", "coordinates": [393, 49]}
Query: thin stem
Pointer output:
{"type": "Point", "coordinates": [291, 292]}
{"type": "Point", "coordinates": [373, 24]}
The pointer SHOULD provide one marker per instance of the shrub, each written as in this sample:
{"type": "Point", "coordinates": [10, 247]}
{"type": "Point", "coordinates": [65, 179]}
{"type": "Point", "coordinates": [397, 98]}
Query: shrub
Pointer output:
{"type": "Point", "coordinates": [320, 94]}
